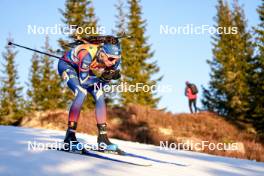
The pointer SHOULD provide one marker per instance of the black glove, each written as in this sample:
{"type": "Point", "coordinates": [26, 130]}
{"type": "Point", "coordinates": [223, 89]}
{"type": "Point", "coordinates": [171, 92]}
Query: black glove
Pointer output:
{"type": "Point", "coordinates": [110, 74]}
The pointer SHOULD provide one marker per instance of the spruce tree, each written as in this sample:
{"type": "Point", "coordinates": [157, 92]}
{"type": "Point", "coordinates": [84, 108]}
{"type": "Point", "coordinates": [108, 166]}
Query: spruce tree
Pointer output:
{"type": "Point", "coordinates": [78, 13]}
{"type": "Point", "coordinates": [257, 84]}
{"type": "Point", "coordinates": [113, 99]}
{"type": "Point", "coordinates": [215, 97]}
{"type": "Point", "coordinates": [228, 88]}
{"type": "Point", "coordinates": [12, 102]}
{"type": "Point", "coordinates": [120, 24]}
{"type": "Point", "coordinates": [34, 90]}
{"type": "Point", "coordinates": [91, 21]}
{"type": "Point", "coordinates": [243, 52]}
{"type": "Point", "coordinates": [137, 66]}
{"type": "Point", "coordinates": [50, 87]}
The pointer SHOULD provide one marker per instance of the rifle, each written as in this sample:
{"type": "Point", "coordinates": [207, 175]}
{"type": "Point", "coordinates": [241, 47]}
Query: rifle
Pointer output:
{"type": "Point", "coordinates": [99, 39]}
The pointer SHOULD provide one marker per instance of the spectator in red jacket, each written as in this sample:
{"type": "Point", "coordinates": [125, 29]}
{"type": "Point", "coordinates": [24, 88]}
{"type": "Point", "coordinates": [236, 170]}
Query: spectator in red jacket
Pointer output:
{"type": "Point", "coordinates": [191, 93]}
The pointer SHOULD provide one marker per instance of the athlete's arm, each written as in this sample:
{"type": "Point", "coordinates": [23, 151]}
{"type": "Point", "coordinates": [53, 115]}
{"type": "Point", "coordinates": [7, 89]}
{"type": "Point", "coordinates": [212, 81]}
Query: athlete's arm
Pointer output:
{"type": "Point", "coordinates": [85, 60]}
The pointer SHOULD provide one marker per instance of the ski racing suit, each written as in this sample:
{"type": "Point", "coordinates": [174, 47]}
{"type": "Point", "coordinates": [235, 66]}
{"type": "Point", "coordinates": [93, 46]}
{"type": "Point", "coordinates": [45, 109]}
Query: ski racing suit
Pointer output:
{"type": "Point", "coordinates": [80, 69]}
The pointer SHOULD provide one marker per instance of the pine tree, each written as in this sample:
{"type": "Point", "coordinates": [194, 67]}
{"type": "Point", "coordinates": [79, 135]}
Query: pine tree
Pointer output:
{"type": "Point", "coordinates": [228, 88]}
{"type": "Point", "coordinates": [257, 84]}
{"type": "Point", "coordinates": [136, 64]}
{"type": "Point", "coordinates": [79, 13]}
{"type": "Point", "coordinates": [12, 109]}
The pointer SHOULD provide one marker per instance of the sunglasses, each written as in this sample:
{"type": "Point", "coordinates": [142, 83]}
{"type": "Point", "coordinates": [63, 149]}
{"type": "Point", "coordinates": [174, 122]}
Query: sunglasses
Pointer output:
{"type": "Point", "coordinates": [111, 59]}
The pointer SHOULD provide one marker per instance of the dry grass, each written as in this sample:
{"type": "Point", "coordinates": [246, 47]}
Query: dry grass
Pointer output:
{"type": "Point", "coordinates": [146, 125]}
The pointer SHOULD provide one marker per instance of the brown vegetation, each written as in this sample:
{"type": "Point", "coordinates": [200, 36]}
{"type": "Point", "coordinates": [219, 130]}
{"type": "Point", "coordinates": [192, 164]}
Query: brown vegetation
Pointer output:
{"type": "Point", "coordinates": [146, 125]}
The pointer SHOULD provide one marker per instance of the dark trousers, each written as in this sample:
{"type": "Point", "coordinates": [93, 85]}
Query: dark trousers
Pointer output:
{"type": "Point", "coordinates": [192, 103]}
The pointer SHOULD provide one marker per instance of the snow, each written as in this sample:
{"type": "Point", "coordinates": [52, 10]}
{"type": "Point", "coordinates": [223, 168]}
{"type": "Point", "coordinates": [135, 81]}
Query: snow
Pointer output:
{"type": "Point", "coordinates": [16, 159]}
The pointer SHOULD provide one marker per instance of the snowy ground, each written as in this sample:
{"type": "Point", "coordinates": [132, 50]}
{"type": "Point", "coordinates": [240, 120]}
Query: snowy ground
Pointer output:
{"type": "Point", "coordinates": [16, 159]}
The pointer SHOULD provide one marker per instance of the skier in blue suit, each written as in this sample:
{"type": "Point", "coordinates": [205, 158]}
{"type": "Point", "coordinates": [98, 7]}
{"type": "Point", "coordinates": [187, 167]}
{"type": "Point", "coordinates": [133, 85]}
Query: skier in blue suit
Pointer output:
{"type": "Point", "coordinates": [82, 67]}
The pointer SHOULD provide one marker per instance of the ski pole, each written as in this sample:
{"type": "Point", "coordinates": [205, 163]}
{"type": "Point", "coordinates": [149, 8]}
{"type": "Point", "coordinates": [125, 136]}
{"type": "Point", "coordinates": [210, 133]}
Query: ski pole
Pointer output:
{"type": "Point", "coordinates": [37, 51]}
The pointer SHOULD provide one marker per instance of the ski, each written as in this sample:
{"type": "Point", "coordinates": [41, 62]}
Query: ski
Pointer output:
{"type": "Point", "coordinates": [115, 157]}
{"type": "Point", "coordinates": [123, 153]}
{"type": "Point", "coordinates": [154, 160]}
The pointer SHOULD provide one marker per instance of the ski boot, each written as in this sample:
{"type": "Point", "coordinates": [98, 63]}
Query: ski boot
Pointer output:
{"type": "Point", "coordinates": [70, 140]}
{"type": "Point", "coordinates": [103, 142]}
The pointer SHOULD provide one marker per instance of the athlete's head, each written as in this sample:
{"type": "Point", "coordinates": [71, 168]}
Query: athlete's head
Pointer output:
{"type": "Point", "coordinates": [110, 54]}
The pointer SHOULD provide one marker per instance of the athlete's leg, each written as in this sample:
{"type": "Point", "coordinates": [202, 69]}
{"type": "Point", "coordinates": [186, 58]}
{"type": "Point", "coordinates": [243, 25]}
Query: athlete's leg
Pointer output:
{"type": "Point", "coordinates": [100, 105]}
{"type": "Point", "coordinates": [100, 110]}
{"type": "Point", "coordinates": [69, 74]}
